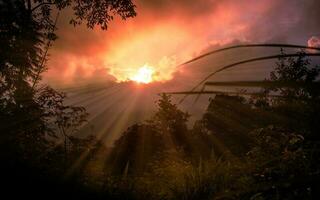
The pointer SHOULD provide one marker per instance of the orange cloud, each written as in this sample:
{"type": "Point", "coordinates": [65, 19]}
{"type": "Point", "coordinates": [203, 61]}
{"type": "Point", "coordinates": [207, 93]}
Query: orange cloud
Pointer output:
{"type": "Point", "coordinates": [314, 41]}
{"type": "Point", "coordinates": [164, 34]}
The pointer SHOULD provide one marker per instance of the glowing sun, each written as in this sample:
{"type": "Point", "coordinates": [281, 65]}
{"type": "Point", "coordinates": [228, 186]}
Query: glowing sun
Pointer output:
{"type": "Point", "coordinates": [143, 75]}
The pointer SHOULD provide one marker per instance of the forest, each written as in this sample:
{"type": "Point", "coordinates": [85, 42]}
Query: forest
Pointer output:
{"type": "Point", "coordinates": [255, 145]}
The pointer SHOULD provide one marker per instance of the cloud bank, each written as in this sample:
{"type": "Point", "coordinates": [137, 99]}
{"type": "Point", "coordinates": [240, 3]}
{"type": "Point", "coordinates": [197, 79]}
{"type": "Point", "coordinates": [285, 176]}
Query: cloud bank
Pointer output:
{"type": "Point", "coordinates": [166, 33]}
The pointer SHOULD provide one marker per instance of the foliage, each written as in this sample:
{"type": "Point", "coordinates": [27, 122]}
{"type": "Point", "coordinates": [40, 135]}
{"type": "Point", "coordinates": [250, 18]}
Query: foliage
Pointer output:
{"type": "Point", "coordinates": [296, 70]}
{"type": "Point", "coordinates": [264, 152]}
{"type": "Point", "coordinates": [94, 13]}
{"type": "Point", "coordinates": [26, 31]}
{"type": "Point", "coordinates": [172, 124]}
{"type": "Point", "coordinates": [31, 115]}
{"type": "Point", "coordinates": [138, 146]}
{"type": "Point", "coordinates": [169, 118]}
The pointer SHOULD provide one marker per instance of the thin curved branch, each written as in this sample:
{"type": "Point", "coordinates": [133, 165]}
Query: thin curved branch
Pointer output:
{"type": "Point", "coordinates": [248, 45]}
{"type": "Point", "coordinates": [243, 62]}
{"type": "Point", "coordinates": [221, 92]}
{"type": "Point", "coordinates": [41, 4]}
{"type": "Point", "coordinates": [264, 83]}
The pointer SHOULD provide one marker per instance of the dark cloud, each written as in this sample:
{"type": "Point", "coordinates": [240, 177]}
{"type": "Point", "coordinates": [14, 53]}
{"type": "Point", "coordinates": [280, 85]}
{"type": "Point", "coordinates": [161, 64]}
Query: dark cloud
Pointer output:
{"type": "Point", "coordinates": [291, 21]}
{"type": "Point", "coordinates": [309, 20]}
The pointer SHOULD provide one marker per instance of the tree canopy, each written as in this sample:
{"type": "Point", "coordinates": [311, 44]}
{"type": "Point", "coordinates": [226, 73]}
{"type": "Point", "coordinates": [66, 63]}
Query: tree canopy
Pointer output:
{"type": "Point", "coordinates": [32, 113]}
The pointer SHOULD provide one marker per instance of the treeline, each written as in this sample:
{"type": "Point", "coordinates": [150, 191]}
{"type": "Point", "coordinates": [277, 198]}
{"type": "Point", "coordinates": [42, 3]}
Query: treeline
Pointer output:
{"type": "Point", "coordinates": [256, 147]}
{"type": "Point", "coordinates": [259, 147]}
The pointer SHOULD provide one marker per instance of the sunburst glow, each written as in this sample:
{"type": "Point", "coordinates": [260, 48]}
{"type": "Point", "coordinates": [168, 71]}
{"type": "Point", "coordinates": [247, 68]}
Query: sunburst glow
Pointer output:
{"type": "Point", "coordinates": [144, 75]}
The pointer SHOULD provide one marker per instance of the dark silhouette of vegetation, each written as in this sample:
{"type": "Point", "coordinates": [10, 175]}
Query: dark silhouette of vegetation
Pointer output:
{"type": "Point", "coordinates": [259, 146]}
{"type": "Point", "coordinates": [277, 56]}
{"type": "Point", "coordinates": [244, 147]}
{"type": "Point", "coordinates": [143, 143]}
{"type": "Point", "coordinates": [289, 70]}
{"type": "Point", "coordinates": [37, 129]}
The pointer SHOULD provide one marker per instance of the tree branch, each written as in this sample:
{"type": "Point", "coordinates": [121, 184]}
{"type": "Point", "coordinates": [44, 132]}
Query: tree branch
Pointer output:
{"type": "Point", "coordinates": [29, 4]}
{"type": "Point", "coordinates": [41, 4]}
{"type": "Point", "coordinates": [45, 53]}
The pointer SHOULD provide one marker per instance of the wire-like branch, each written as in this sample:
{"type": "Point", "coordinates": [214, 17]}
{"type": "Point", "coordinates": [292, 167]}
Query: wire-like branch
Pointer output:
{"type": "Point", "coordinates": [248, 45]}
{"type": "Point", "coordinates": [41, 4]}
{"type": "Point", "coordinates": [221, 92]}
{"type": "Point", "coordinates": [243, 62]}
{"type": "Point", "coordinates": [264, 83]}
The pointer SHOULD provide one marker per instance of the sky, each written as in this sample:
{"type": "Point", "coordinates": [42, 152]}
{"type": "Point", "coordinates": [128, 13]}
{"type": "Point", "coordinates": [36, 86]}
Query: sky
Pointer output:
{"type": "Point", "coordinates": [94, 66]}
{"type": "Point", "coordinates": [166, 33]}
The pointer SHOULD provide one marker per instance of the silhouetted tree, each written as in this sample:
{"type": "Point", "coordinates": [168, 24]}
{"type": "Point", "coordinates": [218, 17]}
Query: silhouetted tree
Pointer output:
{"type": "Point", "coordinates": [135, 149]}
{"type": "Point", "coordinates": [143, 143]}
{"type": "Point", "coordinates": [171, 122]}
{"type": "Point", "coordinates": [66, 118]}
{"type": "Point", "coordinates": [300, 104]}
{"type": "Point", "coordinates": [27, 27]}
{"type": "Point", "coordinates": [30, 114]}
{"type": "Point", "coordinates": [296, 71]}
{"type": "Point", "coordinates": [26, 31]}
